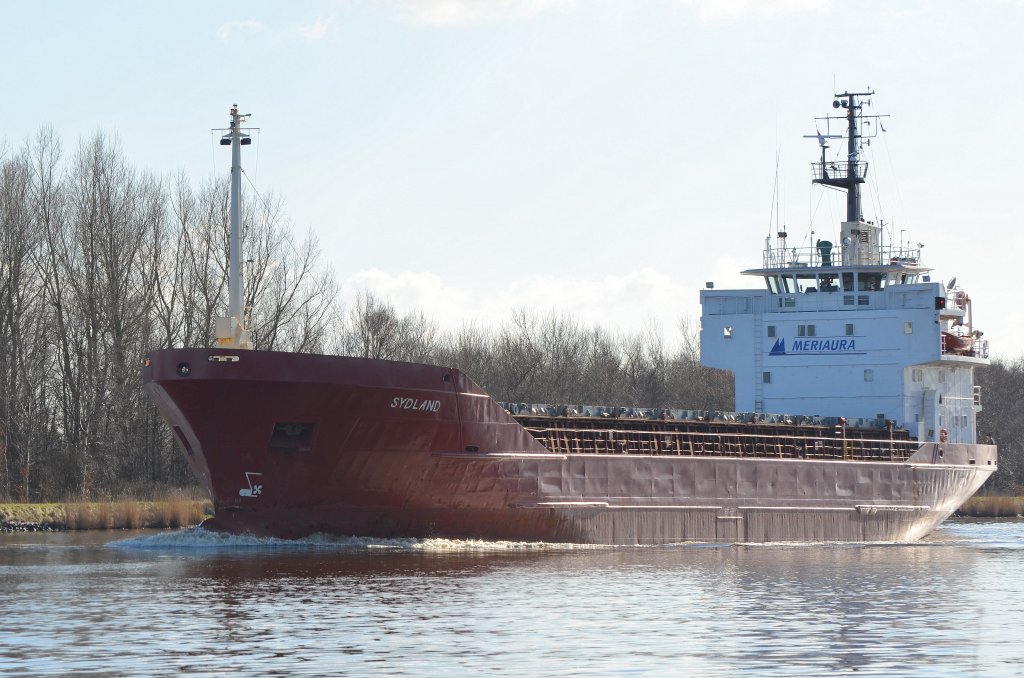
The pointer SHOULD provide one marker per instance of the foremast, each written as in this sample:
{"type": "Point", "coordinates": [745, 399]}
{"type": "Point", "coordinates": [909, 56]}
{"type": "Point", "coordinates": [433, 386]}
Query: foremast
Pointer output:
{"type": "Point", "coordinates": [233, 330]}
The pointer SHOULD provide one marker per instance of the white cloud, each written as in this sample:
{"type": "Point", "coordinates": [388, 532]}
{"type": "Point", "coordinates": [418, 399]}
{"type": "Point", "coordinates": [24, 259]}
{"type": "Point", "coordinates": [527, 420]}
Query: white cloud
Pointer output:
{"type": "Point", "coordinates": [318, 30]}
{"type": "Point", "coordinates": [449, 12]}
{"type": "Point", "coordinates": [228, 30]}
{"type": "Point", "coordinates": [623, 302]}
{"type": "Point", "coordinates": [725, 272]}
{"type": "Point", "coordinates": [735, 9]}
{"type": "Point", "coordinates": [412, 291]}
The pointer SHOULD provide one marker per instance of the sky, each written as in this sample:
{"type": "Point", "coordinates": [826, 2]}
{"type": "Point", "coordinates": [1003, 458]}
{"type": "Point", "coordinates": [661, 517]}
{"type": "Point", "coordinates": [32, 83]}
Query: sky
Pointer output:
{"type": "Point", "coordinates": [602, 158]}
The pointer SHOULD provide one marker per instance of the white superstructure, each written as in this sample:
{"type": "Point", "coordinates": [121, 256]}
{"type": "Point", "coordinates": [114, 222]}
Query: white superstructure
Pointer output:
{"type": "Point", "coordinates": [857, 330]}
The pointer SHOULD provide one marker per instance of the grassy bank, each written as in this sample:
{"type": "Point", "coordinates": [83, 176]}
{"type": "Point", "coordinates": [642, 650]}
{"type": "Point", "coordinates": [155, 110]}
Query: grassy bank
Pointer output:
{"type": "Point", "coordinates": [992, 507]}
{"type": "Point", "coordinates": [106, 515]}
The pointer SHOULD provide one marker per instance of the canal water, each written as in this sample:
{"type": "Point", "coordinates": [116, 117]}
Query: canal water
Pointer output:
{"type": "Point", "coordinates": [191, 601]}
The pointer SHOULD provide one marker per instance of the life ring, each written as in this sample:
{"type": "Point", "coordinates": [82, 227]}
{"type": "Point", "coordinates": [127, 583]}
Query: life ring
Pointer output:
{"type": "Point", "coordinates": [943, 435]}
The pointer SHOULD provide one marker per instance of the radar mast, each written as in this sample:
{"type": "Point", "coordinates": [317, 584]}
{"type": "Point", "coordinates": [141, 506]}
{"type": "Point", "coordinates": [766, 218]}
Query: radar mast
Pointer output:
{"type": "Point", "coordinates": [861, 240]}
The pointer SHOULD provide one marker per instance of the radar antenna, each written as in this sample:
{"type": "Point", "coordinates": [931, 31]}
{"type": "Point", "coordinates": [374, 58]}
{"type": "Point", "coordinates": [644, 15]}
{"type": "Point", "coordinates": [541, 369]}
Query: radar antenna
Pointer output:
{"type": "Point", "coordinates": [848, 175]}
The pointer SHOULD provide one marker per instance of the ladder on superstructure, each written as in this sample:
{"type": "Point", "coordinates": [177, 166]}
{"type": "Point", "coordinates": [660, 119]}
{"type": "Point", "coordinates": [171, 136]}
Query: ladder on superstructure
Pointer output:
{"type": "Point", "coordinates": [758, 362]}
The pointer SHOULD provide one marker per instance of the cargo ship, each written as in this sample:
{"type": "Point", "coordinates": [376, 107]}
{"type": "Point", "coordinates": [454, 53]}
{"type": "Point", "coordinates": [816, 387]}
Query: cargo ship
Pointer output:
{"type": "Point", "coordinates": [855, 418]}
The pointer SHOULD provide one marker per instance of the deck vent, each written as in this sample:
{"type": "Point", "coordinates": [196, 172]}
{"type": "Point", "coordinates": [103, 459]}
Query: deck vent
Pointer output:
{"type": "Point", "coordinates": [472, 448]}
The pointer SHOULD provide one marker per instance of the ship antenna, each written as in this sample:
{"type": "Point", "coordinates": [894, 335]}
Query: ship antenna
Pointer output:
{"type": "Point", "coordinates": [851, 174]}
{"type": "Point", "coordinates": [233, 331]}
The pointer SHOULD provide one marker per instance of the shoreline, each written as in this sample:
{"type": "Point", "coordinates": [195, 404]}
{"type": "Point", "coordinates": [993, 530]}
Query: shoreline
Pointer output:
{"type": "Point", "coordinates": [178, 513]}
{"type": "Point", "coordinates": [103, 515]}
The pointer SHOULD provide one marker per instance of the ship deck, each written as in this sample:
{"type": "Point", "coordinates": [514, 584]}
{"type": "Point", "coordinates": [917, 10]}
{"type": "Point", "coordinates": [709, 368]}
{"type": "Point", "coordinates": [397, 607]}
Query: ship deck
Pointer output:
{"type": "Point", "coordinates": [562, 430]}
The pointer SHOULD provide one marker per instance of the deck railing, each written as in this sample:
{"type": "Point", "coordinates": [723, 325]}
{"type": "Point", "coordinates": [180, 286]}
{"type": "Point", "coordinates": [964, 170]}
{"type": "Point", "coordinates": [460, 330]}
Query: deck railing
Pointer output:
{"type": "Point", "coordinates": [780, 256]}
{"type": "Point", "coordinates": [578, 436]}
{"type": "Point", "coordinates": [839, 171]}
{"type": "Point", "coordinates": [977, 349]}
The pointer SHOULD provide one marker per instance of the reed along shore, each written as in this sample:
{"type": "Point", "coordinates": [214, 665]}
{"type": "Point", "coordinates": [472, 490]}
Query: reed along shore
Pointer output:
{"type": "Point", "coordinates": [104, 515]}
{"type": "Point", "coordinates": [991, 506]}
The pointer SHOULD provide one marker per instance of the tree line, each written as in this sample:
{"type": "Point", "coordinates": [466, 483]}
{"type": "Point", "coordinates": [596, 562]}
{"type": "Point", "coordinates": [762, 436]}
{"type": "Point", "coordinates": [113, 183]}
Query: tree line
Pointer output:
{"type": "Point", "coordinates": [101, 262]}
{"type": "Point", "coordinates": [1002, 393]}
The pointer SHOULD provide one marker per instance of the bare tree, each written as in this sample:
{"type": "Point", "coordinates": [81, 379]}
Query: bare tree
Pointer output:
{"type": "Point", "coordinates": [374, 329]}
{"type": "Point", "coordinates": [294, 295]}
{"type": "Point", "coordinates": [23, 351]}
{"type": "Point", "coordinates": [469, 349]}
{"type": "Point", "coordinates": [1002, 389]}
{"type": "Point", "coordinates": [602, 376]}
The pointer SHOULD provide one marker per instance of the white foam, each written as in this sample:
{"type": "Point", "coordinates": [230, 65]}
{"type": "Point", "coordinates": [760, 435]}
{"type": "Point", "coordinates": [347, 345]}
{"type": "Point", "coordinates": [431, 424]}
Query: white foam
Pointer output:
{"type": "Point", "coordinates": [437, 544]}
{"type": "Point", "coordinates": [200, 538]}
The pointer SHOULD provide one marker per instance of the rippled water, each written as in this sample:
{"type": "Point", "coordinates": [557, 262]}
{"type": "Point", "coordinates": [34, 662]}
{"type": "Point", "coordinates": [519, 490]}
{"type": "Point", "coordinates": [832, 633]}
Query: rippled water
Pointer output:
{"type": "Point", "coordinates": [166, 602]}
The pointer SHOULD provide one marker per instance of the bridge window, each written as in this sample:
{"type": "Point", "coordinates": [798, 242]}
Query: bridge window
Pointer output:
{"type": "Point", "coordinates": [771, 330]}
{"type": "Point", "coordinates": [805, 330]}
{"type": "Point", "coordinates": [849, 329]}
{"type": "Point", "coordinates": [766, 377]}
{"type": "Point", "coordinates": [807, 283]}
{"type": "Point", "coordinates": [848, 282]}
{"type": "Point", "coordinates": [908, 327]}
{"type": "Point", "coordinates": [869, 375]}
{"type": "Point", "coordinates": [869, 282]}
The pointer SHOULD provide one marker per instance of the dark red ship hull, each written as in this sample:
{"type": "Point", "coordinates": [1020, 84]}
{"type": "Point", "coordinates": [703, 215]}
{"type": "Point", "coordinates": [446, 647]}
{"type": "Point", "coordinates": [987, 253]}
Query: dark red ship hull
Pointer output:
{"type": "Point", "coordinates": [292, 444]}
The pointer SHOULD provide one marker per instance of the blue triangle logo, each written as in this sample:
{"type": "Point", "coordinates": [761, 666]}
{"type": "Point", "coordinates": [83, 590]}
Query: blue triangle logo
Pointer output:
{"type": "Point", "coordinates": [779, 348]}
